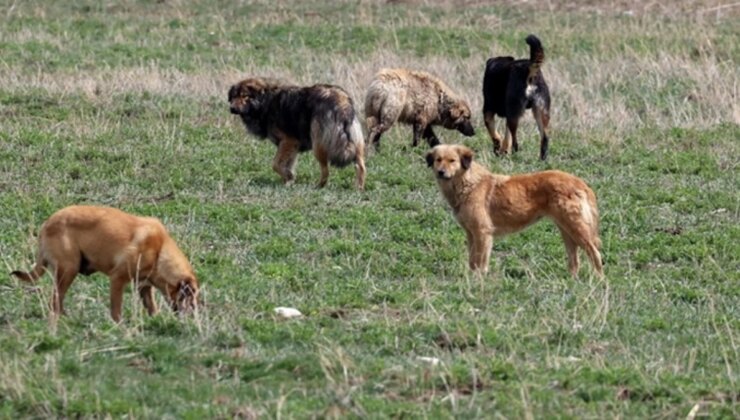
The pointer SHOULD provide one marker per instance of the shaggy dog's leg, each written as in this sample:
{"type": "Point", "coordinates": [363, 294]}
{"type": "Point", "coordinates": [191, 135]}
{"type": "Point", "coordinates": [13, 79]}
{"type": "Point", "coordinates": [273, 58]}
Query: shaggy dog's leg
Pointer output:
{"type": "Point", "coordinates": [285, 159]}
{"type": "Point", "coordinates": [430, 137]}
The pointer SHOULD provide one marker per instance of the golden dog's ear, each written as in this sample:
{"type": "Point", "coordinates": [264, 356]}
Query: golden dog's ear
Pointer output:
{"type": "Point", "coordinates": [466, 156]}
{"type": "Point", "coordinates": [430, 158]}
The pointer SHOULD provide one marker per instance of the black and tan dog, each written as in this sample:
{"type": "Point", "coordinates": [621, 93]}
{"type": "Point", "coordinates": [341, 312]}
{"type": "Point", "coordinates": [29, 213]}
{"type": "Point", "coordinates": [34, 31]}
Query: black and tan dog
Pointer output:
{"type": "Point", "coordinates": [509, 88]}
{"type": "Point", "coordinates": [86, 239]}
{"type": "Point", "coordinates": [416, 98]}
{"type": "Point", "coordinates": [489, 206]}
{"type": "Point", "coordinates": [298, 119]}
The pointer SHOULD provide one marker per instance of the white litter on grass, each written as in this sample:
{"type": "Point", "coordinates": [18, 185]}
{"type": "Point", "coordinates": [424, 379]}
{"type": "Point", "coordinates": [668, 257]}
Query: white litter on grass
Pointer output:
{"type": "Point", "coordinates": [287, 313]}
{"type": "Point", "coordinates": [431, 360]}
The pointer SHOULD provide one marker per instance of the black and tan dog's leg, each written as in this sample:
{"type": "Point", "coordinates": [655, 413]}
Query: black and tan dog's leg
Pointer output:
{"type": "Point", "coordinates": [323, 158]}
{"type": "Point", "coordinates": [542, 116]}
{"type": "Point", "coordinates": [285, 159]}
{"type": "Point", "coordinates": [512, 124]}
{"type": "Point", "coordinates": [430, 137]}
{"type": "Point", "coordinates": [490, 120]}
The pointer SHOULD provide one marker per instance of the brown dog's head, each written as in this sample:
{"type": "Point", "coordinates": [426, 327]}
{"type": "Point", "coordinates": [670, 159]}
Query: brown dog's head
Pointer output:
{"type": "Point", "coordinates": [184, 296]}
{"type": "Point", "coordinates": [457, 117]}
{"type": "Point", "coordinates": [248, 93]}
{"type": "Point", "coordinates": [449, 160]}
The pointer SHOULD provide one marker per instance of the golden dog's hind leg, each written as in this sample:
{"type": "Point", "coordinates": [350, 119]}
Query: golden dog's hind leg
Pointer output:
{"type": "Point", "coordinates": [582, 235]}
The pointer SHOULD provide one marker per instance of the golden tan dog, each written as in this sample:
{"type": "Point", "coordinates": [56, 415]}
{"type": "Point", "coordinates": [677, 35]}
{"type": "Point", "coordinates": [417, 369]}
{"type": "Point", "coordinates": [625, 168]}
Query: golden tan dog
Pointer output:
{"type": "Point", "coordinates": [489, 205]}
{"type": "Point", "coordinates": [87, 239]}
{"type": "Point", "coordinates": [416, 98]}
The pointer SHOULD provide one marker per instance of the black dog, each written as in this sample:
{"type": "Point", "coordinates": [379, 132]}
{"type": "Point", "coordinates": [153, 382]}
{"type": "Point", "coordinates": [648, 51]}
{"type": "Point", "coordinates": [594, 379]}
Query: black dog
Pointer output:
{"type": "Point", "coordinates": [509, 88]}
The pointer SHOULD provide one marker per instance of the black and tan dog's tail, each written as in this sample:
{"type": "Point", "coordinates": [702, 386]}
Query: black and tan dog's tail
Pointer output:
{"type": "Point", "coordinates": [536, 55]}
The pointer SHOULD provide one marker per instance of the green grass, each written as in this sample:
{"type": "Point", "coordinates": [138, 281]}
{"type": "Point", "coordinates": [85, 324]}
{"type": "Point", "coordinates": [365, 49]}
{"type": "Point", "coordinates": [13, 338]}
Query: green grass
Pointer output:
{"type": "Point", "coordinates": [124, 105]}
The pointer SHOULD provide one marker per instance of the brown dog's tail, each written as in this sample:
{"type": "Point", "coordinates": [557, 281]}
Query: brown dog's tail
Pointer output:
{"type": "Point", "coordinates": [536, 55]}
{"type": "Point", "coordinates": [38, 270]}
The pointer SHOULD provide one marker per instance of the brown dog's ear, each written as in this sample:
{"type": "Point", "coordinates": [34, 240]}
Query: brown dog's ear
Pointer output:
{"type": "Point", "coordinates": [430, 158]}
{"type": "Point", "coordinates": [466, 156]}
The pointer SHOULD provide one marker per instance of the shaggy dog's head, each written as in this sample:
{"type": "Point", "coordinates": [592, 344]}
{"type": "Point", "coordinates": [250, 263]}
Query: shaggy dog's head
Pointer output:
{"type": "Point", "coordinates": [248, 94]}
{"type": "Point", "coordinates": [456, 116]}
{"type": "Point", "coordinates": [449, 160]}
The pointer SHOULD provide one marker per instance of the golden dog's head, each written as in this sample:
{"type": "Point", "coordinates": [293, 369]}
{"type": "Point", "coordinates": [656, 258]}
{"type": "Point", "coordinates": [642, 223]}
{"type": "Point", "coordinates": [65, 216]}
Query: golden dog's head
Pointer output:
{"type": "Point", "coordinates": [449, 160]}
{"type": "Point", "coordinates": [184, 296]}
{"type": "Point", "coordinates": [248, 93]}
{"type": "Point", "coordinates": [457, 117]}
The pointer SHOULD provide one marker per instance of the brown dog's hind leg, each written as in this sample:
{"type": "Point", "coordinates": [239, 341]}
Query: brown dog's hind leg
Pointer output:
{"type": "Point", "coordinates": [582, 235]}
{"type": "Point", "coordinates": [571, 248]}
{"type": "Point", "coordinates": [543, 120]}
{"type": "Point", "coordinates": [64, 274]}
{"type": "Point", "coordinates": [117, 284]}
{"type": "Point", "coordinates": [490, 120]}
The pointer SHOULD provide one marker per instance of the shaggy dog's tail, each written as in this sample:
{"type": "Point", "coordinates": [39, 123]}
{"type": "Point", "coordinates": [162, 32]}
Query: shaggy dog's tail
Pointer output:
{"type": "Point", "coordinates": [340, 133]}
{"type": "Point", "coordinates": [536, 55]}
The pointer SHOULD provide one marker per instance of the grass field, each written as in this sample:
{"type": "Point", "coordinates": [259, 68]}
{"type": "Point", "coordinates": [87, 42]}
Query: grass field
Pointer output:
{"type": "Point", "coordinates": [124, 104]}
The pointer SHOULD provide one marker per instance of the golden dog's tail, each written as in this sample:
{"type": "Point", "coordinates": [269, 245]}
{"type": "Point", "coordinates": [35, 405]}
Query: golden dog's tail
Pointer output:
{"type": "Point", "coordinates": [38, 270]}
{"type": "Point", "coordinates": [536, 55]}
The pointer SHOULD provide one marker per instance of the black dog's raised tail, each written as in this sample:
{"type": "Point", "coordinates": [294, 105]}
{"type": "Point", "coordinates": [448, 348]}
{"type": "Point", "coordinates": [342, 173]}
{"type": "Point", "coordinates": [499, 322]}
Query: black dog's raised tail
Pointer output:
{"type": "Point", "coordinates": [536, 55]}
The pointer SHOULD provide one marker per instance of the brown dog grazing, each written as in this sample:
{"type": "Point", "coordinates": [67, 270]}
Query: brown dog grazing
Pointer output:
{"type": "Point", "coordinates": [416, 98]}
{"type": "Point", "coordinates": [489, 205]}
{"type": "Point", "coordinates": [298, 119]}
{"type": "Point", "coordinates": [87, 239]}
{"type": "Point", "coordinates": [509, 88]}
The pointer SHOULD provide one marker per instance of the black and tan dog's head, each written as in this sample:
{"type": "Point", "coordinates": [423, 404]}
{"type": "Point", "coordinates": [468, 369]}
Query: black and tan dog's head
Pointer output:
{"type": "Point", "coordinates": [248, 93]}
{"type": "Point", "coordinates": [456, 116]}
{"type": "Point", "coordinates": [184, 295]}
{"type": "Point", "coordinates": [449, 160]}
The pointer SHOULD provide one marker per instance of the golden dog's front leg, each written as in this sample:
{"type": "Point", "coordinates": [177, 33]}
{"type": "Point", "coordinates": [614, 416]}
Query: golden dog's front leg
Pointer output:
{"type": "Point", "coordinates": [480, 252]}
